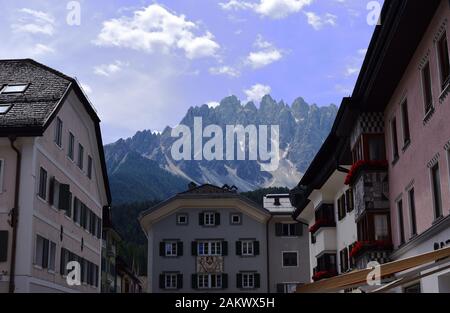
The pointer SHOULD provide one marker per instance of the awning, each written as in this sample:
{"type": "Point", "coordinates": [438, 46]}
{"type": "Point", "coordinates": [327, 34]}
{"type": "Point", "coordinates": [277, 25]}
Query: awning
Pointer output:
{"type": "Point", "coordinates": [359, 277]}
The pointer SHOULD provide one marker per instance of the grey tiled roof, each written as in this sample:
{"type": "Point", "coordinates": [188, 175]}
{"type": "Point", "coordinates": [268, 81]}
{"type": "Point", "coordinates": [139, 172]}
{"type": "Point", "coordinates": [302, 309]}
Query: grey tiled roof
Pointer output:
{"type": "Point", "coordinates": [32, 108]}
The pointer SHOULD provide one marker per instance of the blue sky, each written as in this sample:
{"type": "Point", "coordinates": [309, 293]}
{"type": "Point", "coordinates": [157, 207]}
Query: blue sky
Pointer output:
{"type": "Point", "coordinates": [144, 63]}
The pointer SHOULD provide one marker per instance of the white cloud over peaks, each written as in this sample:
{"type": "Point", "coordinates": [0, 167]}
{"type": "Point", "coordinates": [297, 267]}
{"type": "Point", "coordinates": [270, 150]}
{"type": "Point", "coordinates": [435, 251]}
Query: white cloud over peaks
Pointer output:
{"type": "Point", "coordinates": [34, 22]}
{"type": "Point", "coordinates": [266, 55]}
{"type": "Point", "coordinates": [257, 92]}
{"type": "Point", "coordinates": [212, 104]}
{"type": "Point", "coordinates": [275, 9]}
{"type": "Point", "coordinates": [225, 70]}
{"type": "Point", "coordinates": [318, 22]}
{"type": "Point", "coordinates": [154, 28]}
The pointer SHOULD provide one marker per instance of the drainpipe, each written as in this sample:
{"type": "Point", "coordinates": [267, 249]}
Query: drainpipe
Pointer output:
{"type": "Point", "coordinates": [14, 216]}
{"type": "Point", "coordinates": [267, 253]}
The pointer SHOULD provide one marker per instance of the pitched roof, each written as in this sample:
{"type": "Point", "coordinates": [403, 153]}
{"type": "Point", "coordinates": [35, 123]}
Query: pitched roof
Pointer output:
{"type": "Point", "coordinates": [33, 110]}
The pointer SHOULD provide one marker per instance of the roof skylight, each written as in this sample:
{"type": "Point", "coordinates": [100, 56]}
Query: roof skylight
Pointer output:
{"type": "Point", "coordinates": [14, 88]}
{"type": "Point", "coordinates": [4, 108]}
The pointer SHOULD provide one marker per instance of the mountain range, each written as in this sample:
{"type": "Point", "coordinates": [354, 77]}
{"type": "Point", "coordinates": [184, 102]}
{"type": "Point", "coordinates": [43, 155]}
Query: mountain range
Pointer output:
{"type": "Point", "coordinates": [142, 168]}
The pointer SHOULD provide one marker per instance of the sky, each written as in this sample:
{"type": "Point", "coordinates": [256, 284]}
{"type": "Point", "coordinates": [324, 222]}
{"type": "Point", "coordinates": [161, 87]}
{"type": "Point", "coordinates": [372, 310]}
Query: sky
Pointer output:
{"type": "Point", "coordinates": [144, 63]}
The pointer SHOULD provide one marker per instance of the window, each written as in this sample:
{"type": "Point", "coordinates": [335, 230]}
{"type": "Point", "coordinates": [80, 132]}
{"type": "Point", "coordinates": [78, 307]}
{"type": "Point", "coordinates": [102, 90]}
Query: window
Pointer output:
{"type": "Point", "coordinates": [401, 226]}
{"type": "Point", "coordinates": [288, 229]}
{"type": "Point", "coordinates": [444, 64]}
{"type": "Point", "coordinates": [290, 259]}
{"type": "Point", "coordinates": [209, 219]}
{"type": "Point", "coordinates": [20, 88]}
{"type": "Point", "coordinates": [437, 197]}
{"type": "Point", "coordinates": [236, 219]}
{"type": "Point", "coordinates": [170, 248]}
{"type": "Point", "coordinates": [247, 247]}
{"type": "Point", "coordinates": [413, 289]}
{"type": "Point", "coordinates": [248, 280]}
{"type": "Point", "coordinates": [381, 227]}
{"type": "Point", "coordinates": [412, 211]}
{"type": "Point", "coordinates": [71, 150]}
{"type": "Point", "coordinates": [45, 252]}
{"type": "Point", "coordinates": [89, 169]}
{"type": "Point", "coordinates": [182, 219]}
{"type": "Point", "coordinates": [4, 245]}
{"type": "Point", "coordinates": [80, 156]}
{"type": "Point", "coordinates": [4, 108]}
{"type": "Point", "coordinates": [276, 201]}
{"type": "Point", "coordinates": [42, 184]}
{"type": "Point", "coordinates": [209, 281]}
{"type": "Point", "coordinates": [170, 281]}
{"type": "Point", "coordinates": [1, 174]}
{"type": "Point", "coordinates": [77, 210]}
{"type": "Point", "coordinates": [349, 200]}
{"type": "Point", "coordinates": [342, 207]}
{"type": "Point", "coordinates": [426, 84]}
{"type": "Point", "coordinates": [58, 132]}
{"type": "Point", "coordinates": [344, 259]}
{"type": "Point", "coordinates": [394, 139]}
{"type": "Point", "coordinates": [405, 121]}
{"type": "Point", "coordinates": [376, 145]}
{"type": "Point", "coordinates": [209, 248]}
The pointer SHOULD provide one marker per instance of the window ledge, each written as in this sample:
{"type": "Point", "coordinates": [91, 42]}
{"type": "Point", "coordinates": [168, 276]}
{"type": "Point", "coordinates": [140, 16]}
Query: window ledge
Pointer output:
{"type": "Point", "coordinates": [445, 92]}
{"type": "Point", "coordinates": [428, 115]}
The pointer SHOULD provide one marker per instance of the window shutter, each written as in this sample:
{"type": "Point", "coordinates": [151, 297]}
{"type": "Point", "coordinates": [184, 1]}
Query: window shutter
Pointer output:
{"type": "Point", "coordinates": [256, 248]}
{"type": "Point", "coordinates": [279, 229]}
{"type": "Point", "coordinates": [224, 281]}
{"type": "Point", "coordinates": [62, 263]}
{"type": "Point", "coordinates": [201, 219]}
{"type": "Point", "coordinates": [238, 247]}
{"type": "Point", "coordinates": [162, 249]}
{"type": "Point", "coordinates": [217, 219]}
{"type": "Point", "coordinates": [162, 281]}
{"type": "Point", "coordinates": [4, 245]}
{"type": "Point", "coordinates": [64, 199]}
{"type": "Point", "coordinates": [298, 229]}
{"type": "Point", "coordinates": [51, 190]}
{"type": "Point", "coordinates": [224, 248]}
{"type": "Point", "coordinates": [194, 248]}
{"type": "Point", "coordinates": [238, 280]}
{"type": "Point", "coordinates": [194, 281]}
{"type": "Point", "coordinates": [45, 254]}
{"type": "Point", "coordinates": [257, 280]}
{"type": "Point", "coordinates": [179, 281]}
{"type": "Point", "coordinates": [99, 228]}
{"type": "Point", "coordinates": [280, 288]}
{"type": "Point", "coordinates": [180, 248]}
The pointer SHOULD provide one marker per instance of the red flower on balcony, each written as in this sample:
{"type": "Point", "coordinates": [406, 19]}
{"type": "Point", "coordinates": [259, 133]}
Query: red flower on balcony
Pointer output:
{"type": "Point", "coordinates": [320, 223]}
{"type": "Point", "coordinates": [324, 274]}
{"type": "Point", "coordinates": [376, 244]}
{"type": "Point", "coordinates": [363, 163]}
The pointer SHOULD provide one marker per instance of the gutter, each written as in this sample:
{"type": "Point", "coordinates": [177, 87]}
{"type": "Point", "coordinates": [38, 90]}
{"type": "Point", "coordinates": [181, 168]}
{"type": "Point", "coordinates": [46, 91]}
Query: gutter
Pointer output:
{"type": "Point", "coordinates": [14, 216]}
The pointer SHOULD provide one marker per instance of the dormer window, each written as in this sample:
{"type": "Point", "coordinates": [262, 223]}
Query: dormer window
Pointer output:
{"type": "Point", "coordinates": [4, 108]}
{"type": "Point", "coordinates": [20, 88]}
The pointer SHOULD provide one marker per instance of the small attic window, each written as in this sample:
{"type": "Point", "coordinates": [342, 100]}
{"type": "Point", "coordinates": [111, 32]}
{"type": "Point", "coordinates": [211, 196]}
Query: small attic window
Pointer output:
{"type": "Point", "coordinates": [276, 201]}
{"type": "Point", "coordinates": [4, 108]}
{"type": "Point", "coordinates": [19, 88]}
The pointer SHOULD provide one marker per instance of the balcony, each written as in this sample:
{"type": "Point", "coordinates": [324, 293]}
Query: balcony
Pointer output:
{"type": "Point", "coordinates": [324, 217]}
{"type": "Point", "coordinates": [326, 267]}
{"type": "Point", "coordinates": [364, 252]}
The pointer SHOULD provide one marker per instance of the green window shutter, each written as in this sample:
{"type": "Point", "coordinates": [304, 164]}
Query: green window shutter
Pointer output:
{"type": "Point", "coordinates": [45, 254]}
{"type": "Point", "coordinates": [298, 229]}
{"type": "Point", "coordinates": [3, 245]}
{"type": "Point", "coordinates": [217, 219]}
{"type": "Point", "coordinates": [194, 281]}
{"type": "Point", "coordinates": [179, 281]}
{"type": "Point", "coordinates": [162, 281]}
{"type": "Point", "coordinates": [180, 248]}
{"type": "Point", "coordinates": [162, 249]}
{"type": "Point", "coordinates": [238, 247]}
{"type": "Point", "coordinates": [51, 190]}
{"type": "Point", "coordinates": [257, 280]}
{"type": "Point", "coordinates": [280, 288]}
{"type": "Point", "coordinates": [279, 229]}
{"type": "Point", "coordinates": [256, 247]}
{"type": "Point", "coordinates": [224, 281]}
{"type": "Point", "coordinates": [224, 248]}
{"type": "Point", "coordinates": [201, 219]}
{"type": "Point", "coordinates": [194, 248]}
{"type": "Point", "coordinates": [64, 198]}
{"type": "Point", "coordinates": [238, 280]}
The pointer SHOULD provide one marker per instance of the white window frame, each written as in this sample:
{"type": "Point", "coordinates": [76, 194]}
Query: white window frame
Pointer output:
{"type": "Point", "coordinates": [71, 146]}
{"type": "Point", "coordinates": [423, 87]}
{"type": "Point", "coordinates": [247, 248]}
{"type": "Point", "coordinates": [209, 248]}
{"type": "Point", "coordinates": [58, 132]}
{"type": "Point", "coordinates": [209, 219]}
{"type": "Point", "coordinates": [172, 279]}
{"type": "Point", "coordinates": [8, 107]}
{"type": "Point", "coordinates": [239, 219]}
{"type": "Point", "coordinates": [182, 215]}
{"type": "Point", "coordinates": [39, 185]}
{"type": "Point", "coordinates": [4, 89]}
{"type": "Point", "coordinates": [248, 280]}
{"type": "Point", "coordinates": [51, 259]}
{"type": "Point", "coordinates": [282, 259]}
{"type": "Point", "coordinates": [206, 281]}
{"type": "Point", "coordinates": [171, 248]}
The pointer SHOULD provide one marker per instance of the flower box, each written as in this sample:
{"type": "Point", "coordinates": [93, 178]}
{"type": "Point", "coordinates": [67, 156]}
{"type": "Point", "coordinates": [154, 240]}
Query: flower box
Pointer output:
{"type": "Point", "coordinates": [321, 223]}
{"type": "Point", "coordinates": [324, 274]}
{"type": "Point", "coordinates": [361, 246]}
{"type": "Point", "coordinates": [356, 167]}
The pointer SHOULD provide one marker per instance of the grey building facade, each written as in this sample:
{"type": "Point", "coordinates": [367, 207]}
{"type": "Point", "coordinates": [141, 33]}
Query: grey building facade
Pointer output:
{"type": "Point", "coordinates": [210, 239]}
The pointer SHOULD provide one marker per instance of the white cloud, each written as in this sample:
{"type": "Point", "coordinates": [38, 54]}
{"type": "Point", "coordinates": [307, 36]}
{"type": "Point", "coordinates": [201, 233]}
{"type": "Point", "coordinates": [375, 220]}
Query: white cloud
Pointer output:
{"type": "Point", "coordinates": [275, 9]}
{"type": "Point", "coordinates": [350, 71]}
{"type": "Point", "coordinates": [41, 49]}
{"type": "Point", "coordinates": [212, 104]}
{"type": "Point", "coordinates": [86, 88]}
{"type": "Point", "coordinates": [156, 29]}
{"type": "Point", "coordinates": [108, 69]}
{"type": "Point", "coordinates": [318, 22]}
{"type": "Point", "coordinates": [225, 70]}
{"type": "Point", "coordinates": [34, 22]}
{"type": "Point", "coordinates": [267, 54]}
{"type": "Point", "coordinates": [257, 92]}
